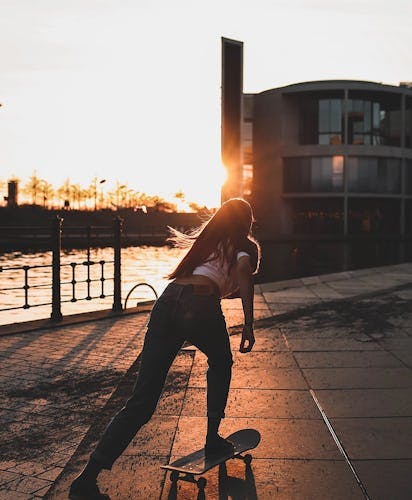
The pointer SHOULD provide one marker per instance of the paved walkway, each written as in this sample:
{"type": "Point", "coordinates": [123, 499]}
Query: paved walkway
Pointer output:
{"type": "Point", "coordinates": [328, 386]}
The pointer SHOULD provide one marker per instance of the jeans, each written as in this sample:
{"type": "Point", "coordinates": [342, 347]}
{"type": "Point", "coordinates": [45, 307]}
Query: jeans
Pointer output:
{"type": "Point", "coordinates": [177, 316]}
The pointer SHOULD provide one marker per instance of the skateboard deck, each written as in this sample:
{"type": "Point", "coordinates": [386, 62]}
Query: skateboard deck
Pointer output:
{"type": "Point", "coordinates": [197, 463]}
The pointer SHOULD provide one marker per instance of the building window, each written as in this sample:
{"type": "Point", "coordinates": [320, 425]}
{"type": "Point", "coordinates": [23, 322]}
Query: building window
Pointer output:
{"type": "Point", "coordinates": [408, 218]}
{"type": "Point", "coordinates": [247, 180]}
{"type": "Point", "coordinates": [323, 174]}
{"type": "Point", "coordinates": [321, 216]}
{"type": "Point", "coordinates": [408, 177]}
{"type": "Point", "coordinates": [374, 119]}
{"type": "Point", "coordinates": [330, 121]}
{"type": "Point", "coordinates": [375, 216]}
{"type": "Point", "coordinates": [321, 119]}
{"type": "Point", "coordinates": [247, 140]}
{"type": "Point", "coordinates": [408, 123]}
{"type": "Point", "coordinates": [374, 175]}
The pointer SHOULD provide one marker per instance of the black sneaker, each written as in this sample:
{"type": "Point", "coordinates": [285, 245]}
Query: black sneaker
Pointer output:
{"type": "Point", "coordinates": [219, 446]}
{"type": "Point", "coordinates": [86, 490]}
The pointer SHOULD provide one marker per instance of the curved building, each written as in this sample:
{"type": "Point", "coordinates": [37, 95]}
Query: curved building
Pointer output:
{"type": "Point", "coordinates": [327, 166]}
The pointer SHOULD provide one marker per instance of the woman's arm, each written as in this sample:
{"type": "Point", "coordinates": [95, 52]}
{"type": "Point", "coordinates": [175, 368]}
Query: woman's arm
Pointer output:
{"type": "Point", "coordinates": [246, 292]}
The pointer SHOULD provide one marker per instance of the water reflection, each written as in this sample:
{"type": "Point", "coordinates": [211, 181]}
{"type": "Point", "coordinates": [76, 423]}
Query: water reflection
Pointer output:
{"type": "Point", "coordinates": [139, 264]}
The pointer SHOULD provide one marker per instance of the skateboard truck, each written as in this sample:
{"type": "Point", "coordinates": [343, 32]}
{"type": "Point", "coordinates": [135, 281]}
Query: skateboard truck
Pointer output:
{"type": "Point", "coordinates": [176, 476]}
{"type": "Point", "coordinates": [196, 463]}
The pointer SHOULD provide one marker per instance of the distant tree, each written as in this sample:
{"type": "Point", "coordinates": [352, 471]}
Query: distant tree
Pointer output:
{"type": "Point", "coordinates": [64, 193]}
{"type": "Point", "coordinates": [162, 205]}
{"type": "Point", "coordinates": [3, 190]}
{"type": "Point", "coordinates": [47, 192]}
{"type": "Point", "coordinates": [32, 188]}
{"type": "Point", "coordinates": [195, 207]}
{"type": "Point", "coordinates": [76, 195]}
{"type": "Point", "coordinates": [180, 195]}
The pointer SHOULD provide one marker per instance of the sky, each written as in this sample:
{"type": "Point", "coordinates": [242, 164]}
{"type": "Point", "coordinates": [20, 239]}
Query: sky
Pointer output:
{"type": "Point", "coordinates": [129, 90]}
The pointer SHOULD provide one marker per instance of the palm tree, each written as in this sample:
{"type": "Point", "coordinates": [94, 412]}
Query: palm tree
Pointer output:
{"type": "Point", "coordinates": [47, 192]}
{"type": "Point", "coordinates": [64, 193]}
{"type": "Point", "coordinates": [32, 188]}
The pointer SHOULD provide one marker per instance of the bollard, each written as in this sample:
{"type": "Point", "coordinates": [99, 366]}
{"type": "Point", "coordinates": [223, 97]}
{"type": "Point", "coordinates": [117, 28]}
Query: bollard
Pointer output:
{"type": "Point", "coordinates": [117, 284]}
{"type": "Point", "coordinates": [56, 243]}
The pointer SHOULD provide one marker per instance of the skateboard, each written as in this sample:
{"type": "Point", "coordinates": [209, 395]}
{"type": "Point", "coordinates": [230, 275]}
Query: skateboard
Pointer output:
{"type": "Point", "coordinates": [196, 463]}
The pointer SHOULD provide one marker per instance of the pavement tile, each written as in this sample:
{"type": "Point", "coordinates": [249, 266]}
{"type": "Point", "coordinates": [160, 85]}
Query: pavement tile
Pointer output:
{"type": "Point", "coordinates": [280, 438]}
{"type": "Point", "coordinates": [7, 477]}
{"type": "Point", "coordinates": [14, 495]}
{"type": "Point", "coordinates": [26, 484]}
{"type": "Point", "coordinates": [324, 291]}
{"type": "Point", "coordinates": [41, 493]}
{"type": "Point", "coordinates": [29, 468]}
{"type": "Point", "coordinates": [402, 344]}
{"type": "Point", "coordinates": [266, 404]}
{"type": "Point", "coordinates": [7, 464]}
{"type": "Point", "coordinates": [353, 378]}
{"type": "Point", "coordinates": [366, 402]}
{"type": "Point", "coordinates": [404, 356]}
{"type": "Point", "coordinates": [298, 329]}
{"type": "Point", "coordinates": [375, 438]}
{"type": "Point", "coordinates": [155, 438]}
{"type": "Point", "coordinates": [270, 479]}
{"type": "Point", "coordinates": [383, 476]}
{"type": "Point", "coordinates": [51, 474]}
{"type": "Point", "coordinates": [265, 341]}
{"type": "Point", "coordinates": [249, 370]}
{"type": "Point", "coordinates": [134, 477]}
{"type": "Point", "coordinates": [346, 359]}
{"type": "Point", "coordinates": [309, 344]}
{"type": "Point", "coordinates": [280, 285]}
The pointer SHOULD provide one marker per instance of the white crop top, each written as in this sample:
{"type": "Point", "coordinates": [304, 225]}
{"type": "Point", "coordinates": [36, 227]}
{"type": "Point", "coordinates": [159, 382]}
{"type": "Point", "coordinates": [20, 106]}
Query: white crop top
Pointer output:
{"type": "Point", "coordinates": [218, 272]}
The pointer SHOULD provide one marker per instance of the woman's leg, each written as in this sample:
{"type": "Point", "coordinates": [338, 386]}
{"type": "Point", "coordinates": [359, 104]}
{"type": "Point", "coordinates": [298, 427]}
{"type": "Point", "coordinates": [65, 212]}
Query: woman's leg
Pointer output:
{"type": "Point", "coordinates": [157, 356]}
{"type": "Point", "coordinates": [159, 350]}
{"type": "Point", "coordinates": [212, 339]}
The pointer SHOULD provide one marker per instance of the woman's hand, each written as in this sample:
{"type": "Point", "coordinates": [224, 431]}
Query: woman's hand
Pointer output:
{"type": "Point", "coordinates": [247, 336]}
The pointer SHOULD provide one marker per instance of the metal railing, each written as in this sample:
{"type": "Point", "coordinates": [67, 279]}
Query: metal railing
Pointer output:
{"type": "Point", "coordinates": [56, 234]}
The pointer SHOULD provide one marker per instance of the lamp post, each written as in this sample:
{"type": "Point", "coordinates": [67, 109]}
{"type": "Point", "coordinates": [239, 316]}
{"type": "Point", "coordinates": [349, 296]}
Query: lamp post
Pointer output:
{"type": "Point", "coordinates": [101, 192]}
{"type": "Point", "coordinates": [102, 181]}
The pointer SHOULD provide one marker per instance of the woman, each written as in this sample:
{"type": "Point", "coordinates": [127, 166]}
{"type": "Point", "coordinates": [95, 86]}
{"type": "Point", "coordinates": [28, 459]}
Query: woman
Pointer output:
{"type": "Point", "coordinates": [220, 262]}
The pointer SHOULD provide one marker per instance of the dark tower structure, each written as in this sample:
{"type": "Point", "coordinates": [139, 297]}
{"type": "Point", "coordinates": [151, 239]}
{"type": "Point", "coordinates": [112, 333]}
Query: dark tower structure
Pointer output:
{"type": "Point", "coordinates": [12, 193]}
{"type": "Point", "coordinates": [232, 116]}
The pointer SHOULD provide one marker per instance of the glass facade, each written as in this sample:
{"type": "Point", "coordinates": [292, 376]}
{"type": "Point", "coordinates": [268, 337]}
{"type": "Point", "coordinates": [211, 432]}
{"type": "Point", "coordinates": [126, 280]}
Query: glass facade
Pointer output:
{"type": "Point", "coordinates": [330, 121]}
{"type": "Point", "coordinates": [247, 180]}
{"type": "Point", "coordinates": [408, 177]}
{"type": "Point", "coordinates": [408, 217]}
{"type": "Point", "coordinates": [374, 118]}
{"type": "Point", "coordinates": [316, 216]}
{"type": "Point", "coordinates": [313, 175]}
{"type": "Point", "coordinates": [247, 141]}
{"type": "Point", "coordinates": [373, 215]}
{"type": "Point", "coordinates": [321, 119]}
{"type": "Point", "coordinates": [408, 122]}
{"type": "Point", "coordinates": [374, 175]}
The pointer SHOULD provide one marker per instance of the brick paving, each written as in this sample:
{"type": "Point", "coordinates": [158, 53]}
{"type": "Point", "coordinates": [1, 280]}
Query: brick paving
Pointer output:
{"type": "Point", "coordinates": [328, 385]}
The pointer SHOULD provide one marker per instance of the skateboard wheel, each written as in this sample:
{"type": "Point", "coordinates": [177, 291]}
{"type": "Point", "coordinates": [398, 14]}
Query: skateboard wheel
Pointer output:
{"type": "Point", "coordinates": [174, 476]}
{"type": "Point", "coordinates": [201, 483]}
{"type": "Point", "coordinates": [248, 459]}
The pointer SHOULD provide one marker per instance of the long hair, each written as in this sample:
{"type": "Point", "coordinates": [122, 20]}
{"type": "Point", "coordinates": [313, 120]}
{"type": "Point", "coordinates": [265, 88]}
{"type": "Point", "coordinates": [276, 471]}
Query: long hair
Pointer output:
{"type": "Point", "coordinates": [225, 233]}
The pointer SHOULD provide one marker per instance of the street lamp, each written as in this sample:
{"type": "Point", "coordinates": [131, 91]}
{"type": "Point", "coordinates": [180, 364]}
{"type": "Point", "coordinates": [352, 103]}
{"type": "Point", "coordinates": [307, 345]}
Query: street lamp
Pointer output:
{"type": "Point", "coordinates": [102, 181]}
{"type": "Point", "coordinates": [101, 192]}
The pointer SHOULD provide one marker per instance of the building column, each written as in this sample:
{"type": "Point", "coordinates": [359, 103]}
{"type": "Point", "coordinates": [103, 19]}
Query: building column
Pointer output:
{"type": "Point", "coordinates": [403, 180]}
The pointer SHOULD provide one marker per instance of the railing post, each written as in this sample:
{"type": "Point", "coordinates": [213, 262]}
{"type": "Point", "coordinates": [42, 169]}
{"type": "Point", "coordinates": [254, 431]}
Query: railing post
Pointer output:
{"type": "Point", "coordinates": [117, 245]}
{"type": "Point", "coordinates": [56, 244]}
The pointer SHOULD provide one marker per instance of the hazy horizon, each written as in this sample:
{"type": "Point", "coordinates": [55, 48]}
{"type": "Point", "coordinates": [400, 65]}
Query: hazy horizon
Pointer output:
{"type": "Point", "coordinates": [129, 91]}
